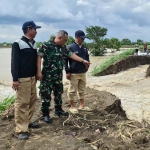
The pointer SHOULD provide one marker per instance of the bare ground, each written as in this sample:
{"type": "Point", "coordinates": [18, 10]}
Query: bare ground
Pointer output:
{"type": "Point", "coordinates": [105, 128]}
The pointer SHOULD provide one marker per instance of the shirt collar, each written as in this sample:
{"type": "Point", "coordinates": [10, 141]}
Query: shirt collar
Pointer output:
{"type": "Point", "coordinates": [28, 40]}
{"type": "Point", "coordinates": [78, 44]}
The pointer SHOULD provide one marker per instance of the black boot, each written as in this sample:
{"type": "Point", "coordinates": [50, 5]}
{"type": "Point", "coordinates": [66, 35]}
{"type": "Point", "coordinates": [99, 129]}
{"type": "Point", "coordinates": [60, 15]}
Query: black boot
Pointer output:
{"type": "Point", "coordinates": [60, 112]}
{"type": "Point", "coordinates": [46, 116]}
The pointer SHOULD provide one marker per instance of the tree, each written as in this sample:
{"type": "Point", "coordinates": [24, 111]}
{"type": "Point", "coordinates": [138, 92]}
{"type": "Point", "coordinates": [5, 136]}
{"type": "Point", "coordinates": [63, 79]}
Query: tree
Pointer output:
{"type": "Point", "coordinates": [52, 37]}
{"type": "Point", "coordinates": [96, 34]}
{"type": "Point", "coordinates": [140, 42]}
{"type": "Point", "coordinates": [125, 42]}
{"type": "Point", "coordinates": [133, 43]}
{"type": "Point", "coordinates": [115, 44]}
{"type": "Point", "coordinates": [70, 40]}
{"type": "Point", "coordinates": [38, 44]}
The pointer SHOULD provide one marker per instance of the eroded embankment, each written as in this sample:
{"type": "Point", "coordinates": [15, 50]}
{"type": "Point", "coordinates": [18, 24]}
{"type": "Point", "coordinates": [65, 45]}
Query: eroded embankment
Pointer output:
{"type": "Point", "coordinates": [122, 65]}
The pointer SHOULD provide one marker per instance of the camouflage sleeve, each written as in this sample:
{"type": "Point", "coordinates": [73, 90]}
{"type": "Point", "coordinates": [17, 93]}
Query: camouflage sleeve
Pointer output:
{"type": "Point", "coordinates": [41, 50]}
{"type": "Point", "coordinates": [69, 52]}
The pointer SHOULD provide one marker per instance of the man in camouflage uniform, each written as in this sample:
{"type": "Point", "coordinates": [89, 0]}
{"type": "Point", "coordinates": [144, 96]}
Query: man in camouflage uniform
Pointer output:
{"type": "Point", "coordinates": [53, 53]}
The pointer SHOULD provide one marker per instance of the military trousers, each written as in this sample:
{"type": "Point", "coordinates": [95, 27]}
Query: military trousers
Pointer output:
{"type": "Point", "coordinates": [46, 89]}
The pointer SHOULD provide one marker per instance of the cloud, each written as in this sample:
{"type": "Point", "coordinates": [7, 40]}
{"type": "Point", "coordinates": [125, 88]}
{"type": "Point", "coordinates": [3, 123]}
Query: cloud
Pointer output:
{"type": "Point", "coordinates": [82, 3]}
{"type": "Point", "coordinates": [123, 19]}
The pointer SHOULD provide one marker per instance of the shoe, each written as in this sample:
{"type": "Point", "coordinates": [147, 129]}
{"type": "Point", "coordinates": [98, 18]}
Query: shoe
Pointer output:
{"type": "Point", "coordinates": [85, 109]}
{"type": "Point", "coordinates": [22, 136]}
{"type": "Point", "coordinates": [73, 110]}
{"type": "Point", "coordinates": [34, 125]}
{"type": "Point", "coordinates": [47, 119]}
{"type": "Point", "coordinates": [60, 112]}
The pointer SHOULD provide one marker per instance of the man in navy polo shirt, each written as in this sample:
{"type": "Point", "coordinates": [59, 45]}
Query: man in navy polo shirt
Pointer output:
{"type": "Point", "coordinates": [76, 72]}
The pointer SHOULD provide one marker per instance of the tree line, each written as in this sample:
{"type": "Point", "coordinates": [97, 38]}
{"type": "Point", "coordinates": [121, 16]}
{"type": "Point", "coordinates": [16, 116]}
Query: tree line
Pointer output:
{"type": "Point", "coordinates": [97, 44]}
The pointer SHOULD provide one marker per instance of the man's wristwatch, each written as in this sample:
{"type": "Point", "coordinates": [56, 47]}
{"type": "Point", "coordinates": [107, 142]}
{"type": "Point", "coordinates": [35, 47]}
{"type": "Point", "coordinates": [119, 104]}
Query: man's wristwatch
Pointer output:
{"type": "Point", "coordinates": [82, 61]}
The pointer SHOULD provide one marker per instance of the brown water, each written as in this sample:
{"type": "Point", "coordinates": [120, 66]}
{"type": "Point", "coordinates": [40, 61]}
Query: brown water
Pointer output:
{"type": "Point", "coordinates": [130, 86]}
{"type": "Point", "coordinates": [5, 65]}
{"type": "Point", "coordinates": [5, 74]}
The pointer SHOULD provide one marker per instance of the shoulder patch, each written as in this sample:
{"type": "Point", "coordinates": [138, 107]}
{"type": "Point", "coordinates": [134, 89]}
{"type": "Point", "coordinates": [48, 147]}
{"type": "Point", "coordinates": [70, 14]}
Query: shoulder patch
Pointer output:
{"type": "Point", "coordinates": [22, 44]}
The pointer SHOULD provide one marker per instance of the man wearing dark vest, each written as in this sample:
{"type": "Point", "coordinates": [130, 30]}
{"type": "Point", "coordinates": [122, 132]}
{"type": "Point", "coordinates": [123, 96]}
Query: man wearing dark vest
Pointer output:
{"type": "Point", "coordinates": [76, 72]}
{"type": "Point", "coordinates": [23, 69]}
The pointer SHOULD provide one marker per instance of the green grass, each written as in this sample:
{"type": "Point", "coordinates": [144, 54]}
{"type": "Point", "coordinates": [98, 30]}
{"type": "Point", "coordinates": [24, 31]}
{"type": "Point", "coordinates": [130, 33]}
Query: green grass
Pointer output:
{"type": "Point", "coordinates": [111, 61]}
{"type": "Point", "coordinates": [6, 103]}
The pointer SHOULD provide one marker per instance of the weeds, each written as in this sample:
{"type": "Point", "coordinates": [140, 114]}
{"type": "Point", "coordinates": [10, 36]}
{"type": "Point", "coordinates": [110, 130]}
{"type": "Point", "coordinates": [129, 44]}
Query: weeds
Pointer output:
{"type": "Point", "coordinates": [6, 103]}
{"type": "Point", "coordinates": [111, 61]}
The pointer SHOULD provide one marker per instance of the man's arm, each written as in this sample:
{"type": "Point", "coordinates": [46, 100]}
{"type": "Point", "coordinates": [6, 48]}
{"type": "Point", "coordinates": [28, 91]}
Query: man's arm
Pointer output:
{"type": "Point", "coordinates": [40, 54]}
{"type": "Point", "coordinates": [15, 65]}
{"type": "Point", "coordinates": [75, 57]}
{"type": "Point", "coordinates": [88, 59]}
{"type": "Point", "coordinates": [79, 59]}
{"type": "Point", "coordinates": [39, 72]}
{"type": "Point", "coordinates": [15, 61]}
{"type": "Point", "coordinates": [67, 69]}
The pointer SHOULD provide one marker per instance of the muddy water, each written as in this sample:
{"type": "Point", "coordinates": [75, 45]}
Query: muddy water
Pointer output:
{"type": "Point", "coordinates": [5, 73]}
{"type": "Point", "coordinates": [130, 86]}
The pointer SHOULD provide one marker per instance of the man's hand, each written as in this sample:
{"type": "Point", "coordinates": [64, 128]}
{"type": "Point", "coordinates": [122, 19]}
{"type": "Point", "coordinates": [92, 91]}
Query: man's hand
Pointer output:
{"type": "Point", "coordinates": [68, 76]}
{"type": "Point", "coordinates": [85, 62]}
{"type": "Point", "coordinates": [87, 68]}
{"type": "Point", "coordinates": [39, 75]}
{"type": "Point", "coordinates": [15, 85]}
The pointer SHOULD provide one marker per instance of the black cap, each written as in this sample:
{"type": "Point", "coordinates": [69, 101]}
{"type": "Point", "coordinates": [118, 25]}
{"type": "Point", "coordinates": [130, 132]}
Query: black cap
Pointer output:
{"type": "Point", "coordinates": [80, 33]}
{"type": "Point", "coordinates": [29, 24]}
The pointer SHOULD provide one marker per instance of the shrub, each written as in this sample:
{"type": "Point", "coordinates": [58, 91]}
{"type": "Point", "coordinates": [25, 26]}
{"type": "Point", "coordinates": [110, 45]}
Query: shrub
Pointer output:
{"type": "Point", "coordinates": [6, 103]}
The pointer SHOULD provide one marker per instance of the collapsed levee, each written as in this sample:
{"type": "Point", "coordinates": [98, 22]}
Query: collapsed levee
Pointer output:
{"type": "Point", "coordinates": [116, 108]}
{"type": "Point", "coordinates": [147, 72]}
{"type": "Point", "coordinates": [132, 90]}
{"type": "Point", "coordinates": [124, 64]}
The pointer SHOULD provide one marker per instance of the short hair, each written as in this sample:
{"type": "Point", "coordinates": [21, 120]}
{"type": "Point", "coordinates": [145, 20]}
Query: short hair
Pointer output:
{"type": "Point", "coordinates": [25, 30]}
{"type": "Point", "coordinates": [61, 33]}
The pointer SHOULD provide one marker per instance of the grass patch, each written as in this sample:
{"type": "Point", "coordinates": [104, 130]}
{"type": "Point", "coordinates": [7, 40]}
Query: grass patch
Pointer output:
{"type": "Point", "coordinates": [6, 103]}
{"type": "Point", "coordinates": [111, 61]}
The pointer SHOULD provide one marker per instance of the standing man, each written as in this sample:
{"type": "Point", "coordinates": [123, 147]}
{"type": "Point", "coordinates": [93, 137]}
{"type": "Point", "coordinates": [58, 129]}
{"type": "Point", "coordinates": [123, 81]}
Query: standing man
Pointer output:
{"type": "Point", "coordinates": [23, 69]}
{"type": "Point", "coordinates": [53, 53]}
{"type": "Point", "coordinates": [76, 72]}
{"type": "Point", "coordinates": [136, 48]}
{"type": "Point", "coordinates": [145, 48]}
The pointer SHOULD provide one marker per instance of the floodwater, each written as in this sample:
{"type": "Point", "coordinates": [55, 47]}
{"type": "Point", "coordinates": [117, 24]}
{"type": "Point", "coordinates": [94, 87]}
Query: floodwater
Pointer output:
{"type": "Point", "coordinates": [130, 86]}
{"type": "Point", "coordinates": [5, 73]}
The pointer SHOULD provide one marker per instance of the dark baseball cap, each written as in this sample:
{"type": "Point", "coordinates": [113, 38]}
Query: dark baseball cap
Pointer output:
{"type": "Point", "coordinates": [29, 24]}
{"type": "Point", "coordinates": [80, 33]}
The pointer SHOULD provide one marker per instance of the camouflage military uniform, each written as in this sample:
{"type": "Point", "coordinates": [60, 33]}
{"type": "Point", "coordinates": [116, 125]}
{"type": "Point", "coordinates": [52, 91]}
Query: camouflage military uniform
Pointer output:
{"type": "Point", "coordinates": [53, 62]}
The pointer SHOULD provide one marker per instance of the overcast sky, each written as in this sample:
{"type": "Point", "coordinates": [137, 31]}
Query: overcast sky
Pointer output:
{"type": "Point", "coordinates": [123, 18]}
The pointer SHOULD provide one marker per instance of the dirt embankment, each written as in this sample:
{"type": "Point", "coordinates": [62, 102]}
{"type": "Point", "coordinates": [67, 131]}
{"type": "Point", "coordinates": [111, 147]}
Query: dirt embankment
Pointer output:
{"type": "Point", "coordinates": [105, 128]}
{"type": "Point", "coordinates": [130, 62]}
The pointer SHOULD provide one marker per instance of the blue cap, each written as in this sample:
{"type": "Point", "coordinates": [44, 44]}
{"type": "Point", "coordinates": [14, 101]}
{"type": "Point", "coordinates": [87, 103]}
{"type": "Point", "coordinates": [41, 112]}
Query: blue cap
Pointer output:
{"type": "Point", "coordinates": [80, 33]}
{"type": "Point", "coordinates": [29, 24]}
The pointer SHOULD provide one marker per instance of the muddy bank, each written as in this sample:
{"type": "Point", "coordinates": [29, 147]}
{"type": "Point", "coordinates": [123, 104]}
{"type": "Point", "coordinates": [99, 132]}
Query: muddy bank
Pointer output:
{"type": "Point", "coordinates": [105, 128]}
{"type": "Point", "coordinates": [131, 87]}
{"type": "Point", "coordinates": [130, 62]}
